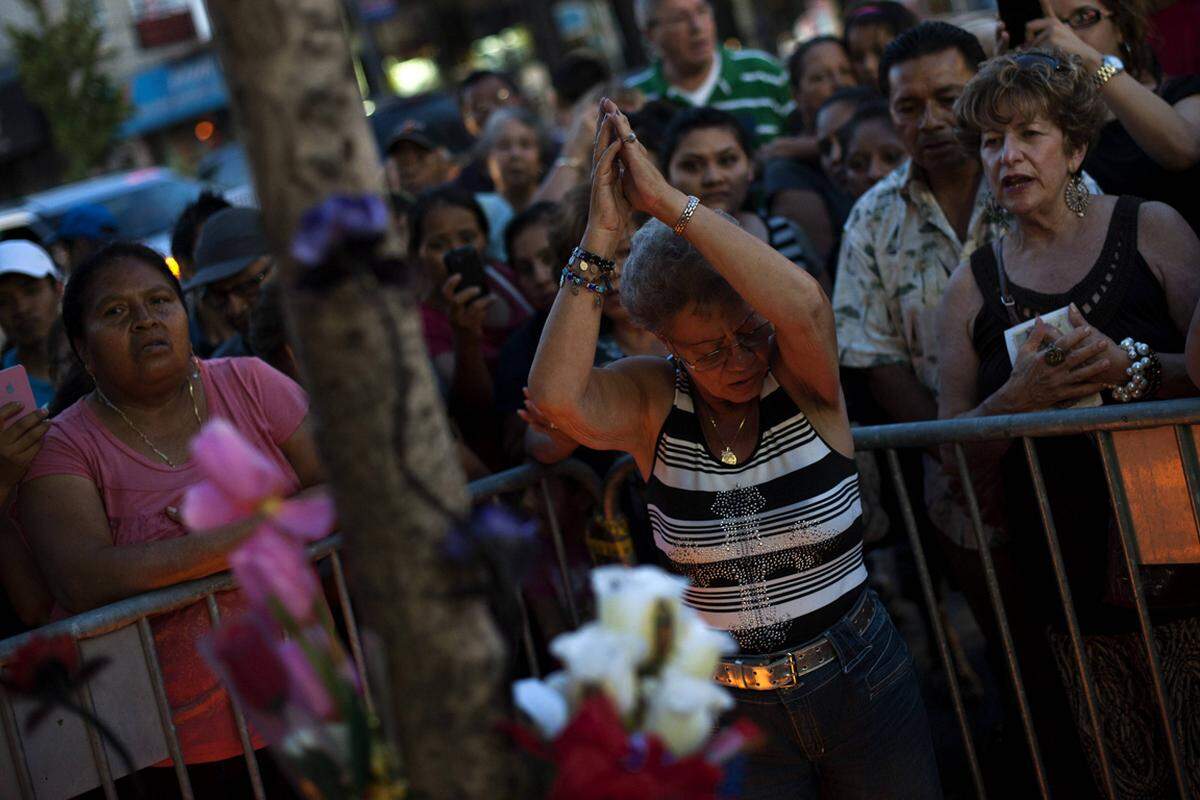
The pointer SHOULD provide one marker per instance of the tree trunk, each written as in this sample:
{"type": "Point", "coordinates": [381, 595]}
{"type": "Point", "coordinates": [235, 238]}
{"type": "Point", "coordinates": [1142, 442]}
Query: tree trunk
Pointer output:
{"type": "Point", "coordinates": [377, 413]}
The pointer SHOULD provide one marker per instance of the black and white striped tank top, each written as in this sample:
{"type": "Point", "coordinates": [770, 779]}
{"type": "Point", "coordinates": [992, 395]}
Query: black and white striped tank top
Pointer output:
{"type": "Point", "coordinates": [772, 545]}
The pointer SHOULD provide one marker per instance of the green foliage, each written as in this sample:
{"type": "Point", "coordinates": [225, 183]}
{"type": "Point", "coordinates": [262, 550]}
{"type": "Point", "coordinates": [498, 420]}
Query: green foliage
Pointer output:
{"type": "Point", "coordinates": [60, 60]}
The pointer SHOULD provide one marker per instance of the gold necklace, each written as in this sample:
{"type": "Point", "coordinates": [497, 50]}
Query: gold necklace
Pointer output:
{"type": "Point", "coordinates": [727, 454]}
{"type": "Point", "coordinates": [195, 410]}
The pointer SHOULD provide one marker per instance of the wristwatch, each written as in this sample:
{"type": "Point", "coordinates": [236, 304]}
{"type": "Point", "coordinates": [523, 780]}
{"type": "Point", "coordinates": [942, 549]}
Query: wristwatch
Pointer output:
{"type": "Point", "coordinates": [1109, 66]}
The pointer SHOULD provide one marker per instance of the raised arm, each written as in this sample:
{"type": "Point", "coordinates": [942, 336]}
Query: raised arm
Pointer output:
{"type": "Point", "coordinates": [790, 298]}
{"type": "Point", "coordinates": [1169, 134]}
{"type": "Point", "coordinates": [610, 408]}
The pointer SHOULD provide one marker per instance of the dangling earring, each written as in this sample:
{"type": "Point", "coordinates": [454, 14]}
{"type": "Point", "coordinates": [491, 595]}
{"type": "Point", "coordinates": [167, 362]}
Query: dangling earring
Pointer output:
{"type": "Point", "coordinates": [994, 213]}
{"type": "Point", "coordinates": [1077, 196]}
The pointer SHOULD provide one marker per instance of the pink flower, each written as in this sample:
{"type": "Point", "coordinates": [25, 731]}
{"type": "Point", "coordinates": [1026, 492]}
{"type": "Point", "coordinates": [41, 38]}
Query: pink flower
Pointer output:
{"type": "Point", "coordinates": [270, 565]}
{"type": "Point", "coordinates": [241, 482]}
{"type": "Point", "coordinates": [305, 687]}
{"type": "Point", "coordinates": [248, 658]}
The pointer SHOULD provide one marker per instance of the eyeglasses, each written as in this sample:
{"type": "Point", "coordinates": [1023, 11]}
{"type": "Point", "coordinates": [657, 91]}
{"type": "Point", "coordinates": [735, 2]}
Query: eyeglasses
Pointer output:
{"type": "Point", "coordinates": [1083, 18]}
{"type": "Point", "coordinates": [750, 341]}
{"type": "Point", "coordinates": [246, 291]}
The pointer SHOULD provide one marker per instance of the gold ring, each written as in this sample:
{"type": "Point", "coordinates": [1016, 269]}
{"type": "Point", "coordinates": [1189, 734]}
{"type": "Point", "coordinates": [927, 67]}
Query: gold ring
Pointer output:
{"type": "Point", "coordinates": [631, 138]}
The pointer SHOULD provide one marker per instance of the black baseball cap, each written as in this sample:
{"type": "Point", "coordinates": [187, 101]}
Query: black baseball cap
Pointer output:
{"type": "Point", "coordinates": [414, 131]}
{"type": "Point", "coordinates": [231, 240]}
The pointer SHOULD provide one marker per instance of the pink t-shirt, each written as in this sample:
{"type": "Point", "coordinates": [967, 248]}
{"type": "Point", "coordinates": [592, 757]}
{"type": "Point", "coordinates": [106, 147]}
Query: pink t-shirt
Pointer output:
{"type": "Point", "coordinates": [266, 407]}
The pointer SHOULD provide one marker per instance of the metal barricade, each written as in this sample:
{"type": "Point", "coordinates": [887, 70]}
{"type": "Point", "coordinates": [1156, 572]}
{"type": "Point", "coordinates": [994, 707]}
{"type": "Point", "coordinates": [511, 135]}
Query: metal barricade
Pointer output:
{"type": "Point", "coordinates": [1104, 422]}
{"type": "Point", "coordinates": [68, 758]}
{"type": "Point", "coordinates": [1179, 415]}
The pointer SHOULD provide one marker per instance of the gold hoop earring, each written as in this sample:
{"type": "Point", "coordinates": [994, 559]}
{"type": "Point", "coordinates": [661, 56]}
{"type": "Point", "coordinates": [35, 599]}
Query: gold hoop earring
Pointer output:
{"type": "Point", "coordinates": [1076, 195]}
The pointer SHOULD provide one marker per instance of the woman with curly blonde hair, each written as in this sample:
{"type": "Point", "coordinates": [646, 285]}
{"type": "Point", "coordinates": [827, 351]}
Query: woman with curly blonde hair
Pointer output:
{"type": "Point", "coordinates": [1125, 271]}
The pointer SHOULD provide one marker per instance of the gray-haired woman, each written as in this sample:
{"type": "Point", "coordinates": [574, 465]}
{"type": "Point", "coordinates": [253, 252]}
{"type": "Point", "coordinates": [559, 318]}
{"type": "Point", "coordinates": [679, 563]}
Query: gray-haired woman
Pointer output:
{"type": "Point", "coordinates": [512, 144]}
{"type": "Point", "coordinates": [752, 491]}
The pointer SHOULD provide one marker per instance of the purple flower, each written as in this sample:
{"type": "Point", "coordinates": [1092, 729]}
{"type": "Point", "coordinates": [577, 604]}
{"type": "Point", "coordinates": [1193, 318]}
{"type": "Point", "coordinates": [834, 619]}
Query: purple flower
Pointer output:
{"type": "Point", "coordinates": [493, 529]}
{"type": "Point", "coordinates": [338, 220]}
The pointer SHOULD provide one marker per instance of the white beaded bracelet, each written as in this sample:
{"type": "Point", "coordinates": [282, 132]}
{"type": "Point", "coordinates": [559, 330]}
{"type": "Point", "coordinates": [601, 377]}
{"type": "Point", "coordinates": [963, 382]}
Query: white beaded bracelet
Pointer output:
{"type": "Point", "coordinates": [1144, 371]}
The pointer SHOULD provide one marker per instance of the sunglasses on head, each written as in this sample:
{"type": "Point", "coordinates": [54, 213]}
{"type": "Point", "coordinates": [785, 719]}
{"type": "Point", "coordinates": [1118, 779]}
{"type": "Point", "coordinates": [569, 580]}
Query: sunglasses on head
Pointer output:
{"type": "Point", "coordinates": [1035, 60]}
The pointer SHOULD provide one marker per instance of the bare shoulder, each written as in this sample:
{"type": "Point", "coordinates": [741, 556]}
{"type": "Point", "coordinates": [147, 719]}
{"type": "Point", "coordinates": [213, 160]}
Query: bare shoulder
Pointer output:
{"type": "Point", "coordinates": [1165, 239]}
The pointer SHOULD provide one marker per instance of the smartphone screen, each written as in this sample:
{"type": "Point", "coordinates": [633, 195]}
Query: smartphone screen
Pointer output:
{"type": "Point", "coordinates": [1015, 14]}
{"type": "Point", "coordinates": [467, 262]}
{"type": "Point", "coordinates": [15, 388]}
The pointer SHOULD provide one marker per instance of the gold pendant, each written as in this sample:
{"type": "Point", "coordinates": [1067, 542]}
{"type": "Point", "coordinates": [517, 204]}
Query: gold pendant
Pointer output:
{"type": "Point", "coordinates": [727, 457]}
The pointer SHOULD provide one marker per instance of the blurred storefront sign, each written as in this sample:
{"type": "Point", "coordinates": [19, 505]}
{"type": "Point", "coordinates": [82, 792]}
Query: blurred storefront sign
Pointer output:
{"type": "Point", "coordinates": [175, 92]}
{"type": "Point", "coordinates": [163, 22]}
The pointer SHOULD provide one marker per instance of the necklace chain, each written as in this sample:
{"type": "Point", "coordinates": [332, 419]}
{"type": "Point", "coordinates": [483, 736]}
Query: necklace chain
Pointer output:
{"type": "Point", "coordinates": [727, 454]}
{"type": "Point", "coordinates": [195, 411]}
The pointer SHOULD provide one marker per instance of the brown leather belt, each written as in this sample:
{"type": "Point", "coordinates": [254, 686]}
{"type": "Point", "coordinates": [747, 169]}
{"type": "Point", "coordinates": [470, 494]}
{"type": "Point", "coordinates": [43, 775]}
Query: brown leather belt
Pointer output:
{"type": "Point", "coordinates": [774, 671]}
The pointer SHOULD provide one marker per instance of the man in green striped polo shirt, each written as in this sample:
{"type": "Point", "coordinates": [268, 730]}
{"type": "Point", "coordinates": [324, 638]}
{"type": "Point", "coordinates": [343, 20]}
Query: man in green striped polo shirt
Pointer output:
{"type": "Point", "coordinates": [692, 70]}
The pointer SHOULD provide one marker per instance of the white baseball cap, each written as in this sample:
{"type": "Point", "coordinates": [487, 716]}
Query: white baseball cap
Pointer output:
{"type": "Point", "coordinates": [21, 257]}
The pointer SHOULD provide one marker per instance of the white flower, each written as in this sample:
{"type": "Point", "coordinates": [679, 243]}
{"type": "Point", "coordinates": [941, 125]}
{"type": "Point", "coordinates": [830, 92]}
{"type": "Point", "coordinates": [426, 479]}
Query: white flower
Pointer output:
{"type": "Point", "coordinates": [545, 705]}
{"type": "Point", "coordinates": [682, 710]}
{"type": "Point", "coordinates": [629, 599]}
{"type": "Point", "coordinates": [698, 647]}
{"type": "Point", "coordinates": [607, 659]}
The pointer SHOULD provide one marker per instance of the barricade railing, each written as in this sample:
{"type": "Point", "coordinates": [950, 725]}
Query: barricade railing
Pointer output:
{"type": "Point", "coordinates": [1174, 416]}
{"type": "Point", "coordinates": [123, 627]}
{"type": "Point", "coordinates": [133, 613]}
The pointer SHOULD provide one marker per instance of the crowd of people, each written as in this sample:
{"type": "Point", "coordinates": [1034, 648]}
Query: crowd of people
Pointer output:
{"type": "Point", "coordinates": [716, 265]}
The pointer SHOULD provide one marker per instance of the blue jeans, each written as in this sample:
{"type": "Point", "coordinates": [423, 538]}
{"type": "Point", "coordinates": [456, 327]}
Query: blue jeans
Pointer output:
{"type": "Point", "coordinates": [854, 728]}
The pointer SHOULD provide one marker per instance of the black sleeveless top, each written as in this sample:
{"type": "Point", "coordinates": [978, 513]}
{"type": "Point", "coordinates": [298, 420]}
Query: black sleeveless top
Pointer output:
{"type": "Point", "coordinates": [773, 544]}
{"type": "Point", "coordinates": [1121, 297]}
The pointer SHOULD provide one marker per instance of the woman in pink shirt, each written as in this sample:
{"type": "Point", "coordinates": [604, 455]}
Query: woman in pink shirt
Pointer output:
{"type": "Point", "coordinates": [99, 502]}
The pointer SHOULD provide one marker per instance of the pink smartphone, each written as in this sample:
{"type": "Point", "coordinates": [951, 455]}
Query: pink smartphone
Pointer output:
{"type": "Point", "coordinates": [15, 388]}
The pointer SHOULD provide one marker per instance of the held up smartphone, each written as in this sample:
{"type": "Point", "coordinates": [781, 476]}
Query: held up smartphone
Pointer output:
{"type": "Point", "coordinates": [467, 262]}
{"type": "Point", "coordinates": [15, 388]}
{"type": "Point", "coordinates": [1015, 14]}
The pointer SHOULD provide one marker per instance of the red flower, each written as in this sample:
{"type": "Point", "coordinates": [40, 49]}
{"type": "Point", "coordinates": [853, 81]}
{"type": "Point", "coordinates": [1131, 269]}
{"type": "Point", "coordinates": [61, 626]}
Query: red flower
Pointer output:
{"type": "Point", "coordinates": [597, 760]}
{"type": "Point", "coordinates": [250, 661]}
{"type": "Point", "coordinates": [49, 670]}
{"type": "Point", "coordinates": [40, 662]}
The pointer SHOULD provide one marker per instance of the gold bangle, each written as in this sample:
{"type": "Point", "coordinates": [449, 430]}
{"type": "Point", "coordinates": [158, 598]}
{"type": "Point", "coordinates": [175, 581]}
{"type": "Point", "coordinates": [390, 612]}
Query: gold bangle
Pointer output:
{"type": "Point", "coordinates": [686, 216]}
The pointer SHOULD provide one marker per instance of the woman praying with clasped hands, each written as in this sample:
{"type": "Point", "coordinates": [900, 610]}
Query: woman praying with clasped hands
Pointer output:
{"type": "Point", "coordinates": [751, 488]}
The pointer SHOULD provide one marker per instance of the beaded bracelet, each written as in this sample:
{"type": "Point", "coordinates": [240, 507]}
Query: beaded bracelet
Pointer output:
{"type": "Point", "coordinates": [579, 282]}
{"type": "Point", "coordinates": [585, 260]}
{"type": "Point", "coordinates": [1144, 371]}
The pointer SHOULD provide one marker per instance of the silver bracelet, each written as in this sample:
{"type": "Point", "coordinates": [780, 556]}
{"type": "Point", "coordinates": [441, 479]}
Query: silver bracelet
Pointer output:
{"type": "Point", "coordinates": [1144, 371]}
{"type": "Point", "coordinates": [686, 216]}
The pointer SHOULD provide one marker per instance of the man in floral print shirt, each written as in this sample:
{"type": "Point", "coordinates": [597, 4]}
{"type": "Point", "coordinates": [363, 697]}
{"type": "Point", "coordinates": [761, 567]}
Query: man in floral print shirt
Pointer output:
{"type": "Point", "coordinates": [906, 235]}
